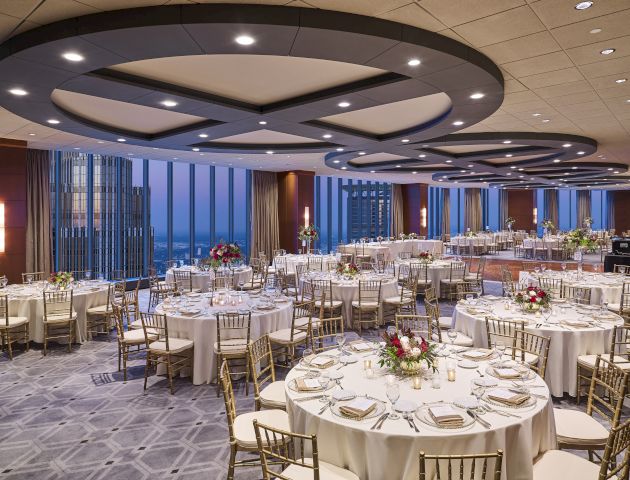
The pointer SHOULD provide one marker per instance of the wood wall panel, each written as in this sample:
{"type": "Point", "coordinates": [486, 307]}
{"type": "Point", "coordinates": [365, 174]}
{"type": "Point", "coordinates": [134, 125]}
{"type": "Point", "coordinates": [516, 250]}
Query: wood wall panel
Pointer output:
{"type": "Point", "coordinates": [622, 218]}
{"type": "Point", "coordinates": [521, 205]}
{"type": "Point", "coordinates": [295, 191]}
{"type": "Point", "coordinates": [415, 198]}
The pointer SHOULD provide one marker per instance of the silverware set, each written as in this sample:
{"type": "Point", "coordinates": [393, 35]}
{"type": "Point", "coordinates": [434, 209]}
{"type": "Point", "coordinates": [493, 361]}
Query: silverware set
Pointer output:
{"type": "Point", "coordinates": [479, 420]}
{"type": "Point", "coordinates": [410, 421]}
{"type": "Point", "coordinates": [380, 421]}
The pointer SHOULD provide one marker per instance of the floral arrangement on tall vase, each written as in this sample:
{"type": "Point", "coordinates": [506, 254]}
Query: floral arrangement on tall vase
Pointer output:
{"type": "Point", "coordinates": [588, 223]}
{"type": "Point", "coordinates": [308, 234]}
{"type": "Point", "coordinates": [510, 221]}
{"type": "Point", "coordinates": [60, 280]}
{"type": "Point", "coordinates": [224, 255]}
{"type": "Point", "coordinates": [547, 226]}
{"type": "Point", "coordinates": [407, 353]}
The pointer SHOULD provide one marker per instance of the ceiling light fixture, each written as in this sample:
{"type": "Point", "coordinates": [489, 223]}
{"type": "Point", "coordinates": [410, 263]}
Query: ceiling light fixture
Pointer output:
{"type": "Point", "coordinates": [340, 149]}
{"type": "Point", "coordinates": [361, 153]}
{"type": "Point", "coordinates": [244, 40]}
{"type": "Point", "coordinates": [566, 145]}
{"type": "Point", "coordinates": [536, 114]}
{"type": "Point", "coordinates": [335, 161]}
{"type": "Point", "coordinates": [169, 103]}
{"type": "Point", "coordinates": [344, 168]}
{"type": "Point", "coordinates": [73, 57]}
{"type": "Point", "coordinates": [546, 120]}
{"type": "Point", "coordinates": [557, 160]}
{"type": "Point", "coordinates": [512, 167]}
{"type": "Point", "coordinates": [574, 168]}
{"type": "Point", "coordinates": [53, 121]}
{"type": "Point", "coordinates": [458, 123]}
{"type": "Point", "coordinates": [417, 172]}
{"type": "Point", "coordinates": [343, 104]}
{"type": "Point", "coordinates": [397, 166]}
{"type": "Point", "coordinates": [509, 155]}
{"type": "Point", "coordinates": [121, 140]}
{"type": "Point", "coordinates": [262, 122]}
{"type": "Point", "coordinates": [327, 135]}
{"type": "Point", "coordinates": [31, 134]}
{"type": "Point", "coordinates": [405, 140]}
{"type": "Point", "coordinates": [477, 96]}
{"type": "Point", "coordinates": [581, 152]}
{"type": "Point", "coordinates": [269, 152]}
{"type": "Point", "coordinates": [595, 30]}
{"type": "Point", "coordinates": [583, 5]}
{"type": "Point", "coordinates": [18, 92]}
{"type": "Point", "coordinates": [372, 171]}
{"type": "Point", "coordinates": [507, 141]}
{"type": "Point", "coordinates": [203, 135]}
{"type": "Point", "coordinates": [621, 80]}
{"type": "Point", "coordinates": [422, 155]}
{"type": "Point", "coordinates": [195, 149]}
{"type": "Point", "coordinates": [414, 62]}
{"type": "Point", "coordinates": [607, 51]}
{"type": "Point", "coordinates": [449, 161]}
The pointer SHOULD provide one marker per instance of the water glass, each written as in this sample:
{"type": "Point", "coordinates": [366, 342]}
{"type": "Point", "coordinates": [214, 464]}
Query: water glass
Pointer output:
{"type": "Point", "coordinates": [340, 338]}
{"type": "Point", "coordinates": [452, 335]}
{"type": "Point", "coordinates": [393, 394]}
{"type": "Point", "coordinates": [469, 297]}
{"type": "Point", "coordinates": [306, 353]}
{"type": "Point", "coordinates": [324, 381]}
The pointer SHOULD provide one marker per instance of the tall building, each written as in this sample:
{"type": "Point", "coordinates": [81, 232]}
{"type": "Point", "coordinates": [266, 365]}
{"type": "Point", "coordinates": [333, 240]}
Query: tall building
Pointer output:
{"type": "Point", "coordinates": [99, 225]}
{"type": "Point", "coordinates": [368, 209]}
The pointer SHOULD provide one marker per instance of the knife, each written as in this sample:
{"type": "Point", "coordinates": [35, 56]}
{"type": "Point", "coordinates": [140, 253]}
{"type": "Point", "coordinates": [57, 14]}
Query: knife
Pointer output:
{"type": "Point", "coordinates": [480, 420]}
{"type": "Point", "coordinates": [306, 399]}
{"type": "Point", "coordinates": [382, 421]}
{"type": "Point", "coordinates": [378, 421]}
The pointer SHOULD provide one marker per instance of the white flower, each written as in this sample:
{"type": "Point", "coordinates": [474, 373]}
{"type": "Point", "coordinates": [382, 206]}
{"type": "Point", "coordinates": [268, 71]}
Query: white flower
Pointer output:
{"type": "Point", "coordinates": [532, 293]}
{"type": "Point", "coordinates": [404, 343]}
{"type": "Point", "coordinates": [416, 352]}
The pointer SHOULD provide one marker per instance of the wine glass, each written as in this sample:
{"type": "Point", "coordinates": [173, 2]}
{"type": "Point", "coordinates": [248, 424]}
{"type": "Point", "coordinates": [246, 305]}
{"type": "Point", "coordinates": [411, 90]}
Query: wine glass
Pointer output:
{"type": "Point", "coordinates": [469, 297]}
{"type": "Point", "coordinates": [476, 389]}
{"type": "Point", "coordinates": [306, 353]}
{"type": "Point", "coordinates": [88, 275]}
{"type": "Point", "coordinates": [391, 330]}
{"type": "Point", "coordinates": [524, 371]}
{"type": "Point", "coordinates": [500, 346]}
{"type": "Point", "coordinates": [340, 338]}
{"type": "Point", "coordinates": [392, 390]}
{"type": "Point", "coordinates": [547, 312]}
{"type": "Point", "coordinates": [452, 335]}
{"type": "Point", "coordinates": [241, 284]}
{"type": "Point", "coordinates": [604, 306]}
{"type": "Point", "coordinates": [324, 381]}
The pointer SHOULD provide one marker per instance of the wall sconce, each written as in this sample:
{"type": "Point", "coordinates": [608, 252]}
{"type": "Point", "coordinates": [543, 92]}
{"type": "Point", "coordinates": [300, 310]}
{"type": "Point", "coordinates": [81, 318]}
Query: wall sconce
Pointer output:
{"type": "Point", "coordinates": [423, 217]}
{"type": "Point", "coordinates": [2, 228]}
{"type": "Point", "coordinates": [306, 216]}
{"type": "Point", "coordinates": [535, 216]}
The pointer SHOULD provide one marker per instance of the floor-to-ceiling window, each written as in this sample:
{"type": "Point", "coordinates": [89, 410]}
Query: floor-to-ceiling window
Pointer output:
{"type": "Point", "coordinates": [158, 188]}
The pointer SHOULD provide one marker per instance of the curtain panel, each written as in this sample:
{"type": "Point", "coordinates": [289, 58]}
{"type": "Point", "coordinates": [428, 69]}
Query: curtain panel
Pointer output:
{"type": "Point", "coordinates": [446, 212]}
{"type": "Point", "coordinates": [38, 221]}
{"type": "Point", "coordinates": [265, 223]}
{"type": "Point", "coordinates": [472, 205]}
{"type": "Point", "coordinates": [551, 206]}
{"type": "Point", "coordinates": [503, 209]}
{"type": "Point", "coordinates": [610, 212]}
{"type": "Point", "coordinates": [397, 218]}
{"type": "Point", "coordinates": [583, 206]}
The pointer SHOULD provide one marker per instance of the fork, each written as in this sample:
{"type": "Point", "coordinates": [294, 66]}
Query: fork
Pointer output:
{"type": "Point", "coordinates": [411, 423]}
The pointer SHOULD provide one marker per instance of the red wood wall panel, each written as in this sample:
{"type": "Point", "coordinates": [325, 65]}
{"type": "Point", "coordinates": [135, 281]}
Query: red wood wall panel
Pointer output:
{"type": "Point", "coordinates": [521, 205]}
{"type": "Point", "coordinates": [295, 191]}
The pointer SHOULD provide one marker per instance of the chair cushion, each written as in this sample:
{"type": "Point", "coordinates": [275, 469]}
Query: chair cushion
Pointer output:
{"type": "Point", "coordinates": [365, 305]}
{"type": "Point", "coordinates": [575, 427]}
{"type": "Point", "coordinates": [530, 358]}
{"type": "Point", "coordinates": [589, 361]}
{"type": "Point", "coordinates": [561, 464]}
{"type": "Point", "coordinates": [60, 318]}
{"type": "Point", "coordinates": [614, 307]}
{"type": "Point", "coordinates": [100, 310]}
{"type": "Point", "coordinates": [135, 325]}
{"type": "Point", "coordinates": [445, 322]}
{"type": "Point", "coordinates": [244, 425]}
{"type": "Point", "coordinates": [284, 336]}
{"type": "Point", "coordinates": [301, 322]}
{"type": "Point", "coordinates": [396, 300]}
{"type": "Point", "coordinates": [136, 337]}
{"type": "Point", "coordinates": [176, 345]}
{"type": "Point", "coordinates": [273, 396]}
{"type": "Point", "coordinates": [335, 303]}
{"type": "Point", "coordinates": [232, 346]}
{"type": "Point", "coordinates": [13, 322]}
{"type": "Point", "coordinates": [327, 471]}
{"type": "Point", "coordinates": [453, 281]}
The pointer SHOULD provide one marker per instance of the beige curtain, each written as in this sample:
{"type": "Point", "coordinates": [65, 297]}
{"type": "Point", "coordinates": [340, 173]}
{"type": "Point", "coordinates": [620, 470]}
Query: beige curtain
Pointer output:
{"type": "Point", "coordinates": [583, 206]}
{"type": "Point", "coordinates": [38, 223]}
{"type": "Point", "coordinates": [472, 213]}
{"type": "Point", "coordinates": [551, 206]}
{"type": "Point", "coordinates": [398, 225]}
{"type": "Point", "coordinates": [446, 211]}
{"type": "Point", "coordinates": [503, 209]}
{"type": "Point", "coordinates": [265, 224]}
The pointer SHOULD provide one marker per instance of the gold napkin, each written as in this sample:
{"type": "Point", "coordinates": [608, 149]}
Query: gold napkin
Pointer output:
{"type": "Point", "coordinates": [446, 416]}
{"type": "Point", "coordinates": [325, 362]}
{"type": "Point", "coordinates": [358, 408]}
{"type": "Point", "coordinates": [360, 346]}
{"type": "Point", "coordinates": [477, 354]}
{"type": "Point", "coordinates": [506, 373]}
{"type": "Point", "coordinates": [508, 398]}
{"type": "Point", "coordinates": [307, 385]}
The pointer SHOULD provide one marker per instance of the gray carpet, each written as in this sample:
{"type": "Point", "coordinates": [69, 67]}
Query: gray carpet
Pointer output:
{"type": "Point", "coordinates": [67, 416]}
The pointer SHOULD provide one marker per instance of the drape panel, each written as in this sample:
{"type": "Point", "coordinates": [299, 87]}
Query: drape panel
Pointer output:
{"type": "Point", "coordinates": [610, 212]}
{"type": "Point", "coordinates": [265, 223]}
{"type": "Point", "coordinates": [446, 211]}
{"type": "Point", "coordinates": [503, 208]}
{"type": "Point", "coordinates": [398, 225]}
{"type": "Point", "coordinates": [583, 206]}
{"type": "Point", "coordinates": [38, 222]}
{"type": "Point", "coordinates": [472, 213]}
{"type": "Point", "coordinates": [551, 206]}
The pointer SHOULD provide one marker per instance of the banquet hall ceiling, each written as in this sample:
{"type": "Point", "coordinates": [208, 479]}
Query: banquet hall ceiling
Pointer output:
{"type": "Point", "coordinates": [556, 81]}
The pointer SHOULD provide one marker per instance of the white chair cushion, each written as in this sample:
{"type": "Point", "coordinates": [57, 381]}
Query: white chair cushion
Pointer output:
{"type": "Point", "coordinates": [575, 427]}
{"type": "Point", "coordinates": [327, 471]}
{"type": "Point", "coordinates": [529, 357]}
{"type": "Point", "coordinates": [273, 395]}
{"type": "Point", "coordinates": [614, 307]}
{"type": "Point", "coordinates": [13, 322]}
{"type": "Point", "coordinates": [589, 361]}
{"type": "Point", "coordinates": [284, 336]}
{"type": "Point", "coordinates": [445, 322]}
{"type": "Point", "coordinates": [135, 325]}
{"type": "Point", "coordinates": [396, 300]}
{"type": "Point", "coordinates": [453, 281]}
{"type": "Point", "coordinates": [100, 310]}
{"type": "Point", "coordinates": [136, 337]}
{"type": "Point", "coordinates": [60, 318]}
{"type": "Point", "coordinates": [365, 305]}
{"type": "Point", "coordinates": [244, 425]}
{"type": "Point", "coordinates": [301, 322]}
{"type": "Point", "coordinates": [335, 303]}
{"type": "Point", "coordinates": [423, 282]}
{"type": "Point", "coordinates": [232, 346]}
{"type": "Point", "coordinates": [560, 464]}
{"type": "Point", "coordinates": [175, 345]}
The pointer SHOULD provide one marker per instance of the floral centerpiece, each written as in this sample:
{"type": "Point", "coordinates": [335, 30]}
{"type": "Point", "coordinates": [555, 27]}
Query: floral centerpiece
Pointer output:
{"type": "Point", "coordinates": [412, 236]}
{"type": "Point", "coordinates": [548, 224]}
{"type": "Point", "coordinates": [347, 269]}
{"type": "Point", "coordinates": [469, 233]}
{"type": "Point", "coordinates": [60, 279]}
{"type": "Point", "coordinates": [225, 254]}
{"type": "Point", "coordinates": [308, 234]}
{"type": "Point", "coordinates": [425, 257]}
{"type": "Point", "coordinates": [379, 239]}
{"type": "Point", "coordinates": [581, 238]}
{"type": "Point", "coordinates": [532, 299]}
{"type": "Point", "coordinates": [588, 222]}
{"type": "Point", "coordinates": [407, 353]}
{"type": "Point", "coordinates": [510, 221]}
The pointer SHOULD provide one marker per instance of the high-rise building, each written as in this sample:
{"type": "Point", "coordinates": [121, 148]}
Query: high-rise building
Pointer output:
{"type": "Point", "coordinates": [98, 225]}
{"type": "Point", "coordinates": [368, 209]}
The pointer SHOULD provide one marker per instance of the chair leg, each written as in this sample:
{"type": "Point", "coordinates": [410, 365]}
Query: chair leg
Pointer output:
{"type": "Point", "coordinates": [8, 339]}
{"type": "Point", "coordinates": [146, 370]}
{"type": "Point", "coordinates": [124, 355]}
{"type": "Point", "coordinates": [230, 475]}
{"type": "Point", "coordinates": [169, 371]}
{"type": "Point", "coordinates": [45, 337]}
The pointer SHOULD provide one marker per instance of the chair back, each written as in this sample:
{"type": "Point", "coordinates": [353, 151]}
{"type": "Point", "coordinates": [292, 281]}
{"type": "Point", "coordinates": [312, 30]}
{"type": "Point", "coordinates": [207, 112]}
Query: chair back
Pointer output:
{"type": "Point", "coordinates": [277, 446]}
{"type": "Point", "coordinates": [468, 288]}
{"type": "Point", "coordinates": [421, 272]}
{"type": "Point", "coordinates": [119, 318]}
{"type": "Point", "coordinates": [232, 329]}
{"type": "Point", "coordinates": [618, 443]}
{"type": "Point", "coordinates": [155, 326]}
{"type": "Point", "coordinates": [369, 291]}
{"type": "Point", "coordinates": [480, 466]}
{"type": "Point", "coordinates": [504, 332]}
{"type": "Point", "coordinates": [183, 280]}
{"type": "Point", "coordinates": [581, 295]}
{"type": "Point", "coordinates": [457, 271]}
{"type": "Point", "coordinates": [323, 336]}
{"type": "Point", "coordinates": [346, 258]}
{"type": "Point", "coordinates": [302, 309]}
{"type": "Point", "coordinates": [609, 385]}
{"type": "Point", "coordinates": [419, 325]}
{"type": "Point", "coordinates": [228, 398]}
{"type": "Point", "coordinates": [29, 277]}
{"type": "Point", "coordinates": [58, 302]}
{"type": "Point", "coordinates": [538, 345]}
{"type": "Point", "coordinates": [625, 269]}
{"type": "Point", "coordinates": [117, 275]}
{"type": "Point", "coordinates": [551, 285]}
{"type": "Point", "coordinates": [620, 346]}
{"type": "Point", "coordinates": [429, 294]}
{"type": "Point", "coordinates": [404, 255]}
{"type": "Point", "coordinates": [222, 282]}
{"type": "Point", "coordinates": [314, 263]}
{"type": "Point", "coordinates": [4, 309]}
{"type": "Point", "coordinates": [280, 252]}
{"type": "Point", "coordinates": [80, 275]}
{"type": "Point", "coordinates": [261, 365]}
{"type": "Point", "coordinates": [322, 290]}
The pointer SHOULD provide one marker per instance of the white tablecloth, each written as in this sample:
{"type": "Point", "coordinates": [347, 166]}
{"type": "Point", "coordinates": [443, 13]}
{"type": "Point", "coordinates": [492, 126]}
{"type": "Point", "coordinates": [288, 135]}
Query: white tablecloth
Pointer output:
{"type": "Point", "coordinates": [392, 249]}
{"type": "Point", "coordinates": [201, 280]}
{"type": "Point", "coordinates": [565, 346]}
{"type": "Point", "coordinates": [392, 452]}
{"type": "Point", "coordinates": [607, 286]}
{"type": "Point", "coordinates": [438, 269]}
{"type": "Point", "coordinates": [291, 261]}
{"type": "Point", "coordinates": [28, 301]}
{"type": "Point", "coordinates": [203, 330]}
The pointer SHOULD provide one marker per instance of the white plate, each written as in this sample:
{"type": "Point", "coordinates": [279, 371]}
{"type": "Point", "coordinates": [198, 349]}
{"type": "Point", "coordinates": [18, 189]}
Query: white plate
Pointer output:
{"type": "Point", "coordinates": [335, 375]}
{"type": "Point", "coordinates": [341, 395]}
{"type": "Point", "coordinates": [486, 381]}
{"type": "Point", "coordinates": [348, 359]}
{"type": "Point", "coordinates": [467, 364]}
{"type": "Point", "coordinates": [467, 401]}
{"type": "Point", "coordinates": [405, 406]}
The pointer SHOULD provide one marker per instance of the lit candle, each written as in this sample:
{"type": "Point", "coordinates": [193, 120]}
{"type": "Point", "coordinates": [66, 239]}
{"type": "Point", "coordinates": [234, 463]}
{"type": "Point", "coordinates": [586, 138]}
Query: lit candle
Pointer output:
{"type": "Point", "coordinates": [367, 364]}
{"type": "Point", "coordinates": [450, 371]}
{"type": "Point", "coordinates": [417, 383]}
{"type": "Point", "coordinates": [306, 216]}
{"type": "Point", "coordinates": [369, 373]}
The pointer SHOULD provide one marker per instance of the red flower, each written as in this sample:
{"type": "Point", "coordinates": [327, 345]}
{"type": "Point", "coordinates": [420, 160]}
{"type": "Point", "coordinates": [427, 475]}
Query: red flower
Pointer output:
{"type": "Point", "coordinates": [400, 353]}
{"type": "Point", "coordinates": [396, 342]}
{"type": "Point", "coordinates": [532, 299]}
{"type": "Point", "coordinates": [424, 346]}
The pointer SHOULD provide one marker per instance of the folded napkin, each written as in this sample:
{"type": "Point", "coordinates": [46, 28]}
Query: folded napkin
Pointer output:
{"type": "Point", "coordinates": [358, 408]}
{"type": "Point", "coordinates": [446, 416]}
{"type": "Point", "coordinates": [321, 362]}
{"type": "Point", "coordinates": [307, 384]}
{"type": "Point", "coordinates": [477, 354]}
{"type": "Point", "coordinates": [507, 397]}
{"type": "Point", "coordinates": [360, 346]}
{"type": "Point", "coordinates": [506, 373]}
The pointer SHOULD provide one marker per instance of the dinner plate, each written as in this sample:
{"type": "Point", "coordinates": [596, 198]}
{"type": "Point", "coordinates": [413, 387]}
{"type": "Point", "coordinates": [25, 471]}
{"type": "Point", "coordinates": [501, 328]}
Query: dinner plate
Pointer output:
{"type": "Point", "coordinates": [377, 412]}
{"type": "Point", "coordinates": [348, 359]}
{"type": "Point", "coordinates": [467, 401]}
{"type": "Point", "coordinates": [335, 374]}
{"type": "Point", "coordinates": [405, 406]}
{"type": "Point", "coordinates": [342, 395]}
{"type": "Point", "coordinates": [467, 364]}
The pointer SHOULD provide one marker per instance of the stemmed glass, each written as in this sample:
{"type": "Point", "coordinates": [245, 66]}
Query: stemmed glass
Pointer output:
{"type": "Point", "coordinates": [469, 297]}
{"type": "Point", "coordinates": [340, 338]}
{"type": "Point", "coordinates": [500, 346]}
{"type": "Point", "coordinates": [392, 390]}
{"type": "Point", "coordinates": [547, 312]}
{"type": "Point", "coordinates": [391, 330]}
{"type": "Point", "coordinates": [306, 353]}
{"type": "Point", "coordinates": [241, 284]}
{"type": "Point", "coordinates": [604, 306]}
{"type": "Point", "coordinates": [324, 380]}
{"type": "Point", "coordinates": [452, 335]}
{"type": "Point", "coordinates": [477, 390]}
{"type": "Point", "coordinates": [88, 275]}
{"type": "Point", "coordinates": [563, 265]}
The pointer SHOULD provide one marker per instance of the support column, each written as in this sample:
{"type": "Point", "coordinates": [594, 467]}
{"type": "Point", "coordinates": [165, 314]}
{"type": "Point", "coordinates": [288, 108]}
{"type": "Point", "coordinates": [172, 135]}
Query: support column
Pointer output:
{"type": "Point", "coordinates": [521, 204]}
{"type": "Point", "coordinates": [415, 199]}
{"type": "Point", "coordinates": [295, 192]}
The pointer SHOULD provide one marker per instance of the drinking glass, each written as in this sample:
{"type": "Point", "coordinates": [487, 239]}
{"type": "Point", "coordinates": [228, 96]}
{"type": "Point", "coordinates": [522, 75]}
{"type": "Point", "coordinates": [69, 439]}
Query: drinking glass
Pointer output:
{"type": "Point", "coordinates": [563, 265]}
{"type": "Point", "coordinates": [393, 394]}
{"type": "Point", "coordinates": [604, 306]}
{"type": "Point", "coordinates": [547, 312]}
{"type": "Point", "coordinates": [88, 275]}
{"type": "Point", "coordinates": [500, 346]}
{"type": "Point", "coordinates": [469, 297]}
{"type": "Point", "coordinates": [340, 338]}
{"type": "Point", "coordinates": [324, 380]}
{"type": "Point", "coordinates": [452, 335]}
{"type": "Point", "coordinates": [543, 267]}
{"type": "Point", "coordinates": [307, 352]}
{"type": "Point", "coordinates": [391, 330]}
{"type": "Point", "coordinates": [476, 389]}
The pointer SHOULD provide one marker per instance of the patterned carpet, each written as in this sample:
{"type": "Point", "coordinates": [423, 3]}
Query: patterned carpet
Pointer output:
{"type": "Point", "coordinates": [71, 416]}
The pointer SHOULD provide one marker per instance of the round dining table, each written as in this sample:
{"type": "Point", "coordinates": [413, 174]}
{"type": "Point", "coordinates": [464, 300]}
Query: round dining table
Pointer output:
{"type": "Point", "coordinates": [28, 301]}
{"type": "Point", "coordinates": [290, 261]}
{"type": "Point", "coordinates": [391, 451]}
{"type": "Point", "coordinates": [573, 331]}
{"type": "Point", "coordinates": [193, 317]}
{"type": "Point", "coordinates": [438, 270]}
{"type": "Point", "coordinates": [201, 280]}
{"type": "Point", "coordinates": [391, 249]}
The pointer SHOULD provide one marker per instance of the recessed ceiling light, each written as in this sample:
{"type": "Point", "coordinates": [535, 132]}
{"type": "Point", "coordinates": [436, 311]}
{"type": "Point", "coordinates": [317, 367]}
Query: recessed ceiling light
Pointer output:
{"type": "Point", "coordinates": [203, 135]}
{"type": "Point", "coordinates": [566, 173]}
{"type": "Point", "coordinates": [372, 171]}
{"type": "Point", "coordinates": [557, 160]}
{"type": "Point", "coordinates": [121, 140]}
{"type": "Point", "coordinates": [520, 176]}
{"type": "Point", "coordinates": [269, 152]}
{"type": "Point", "coordinates": [607, 51]}
{"type": "Point", "coordinates": [512, 167]}
{"type": "Point", "coordinates": [327, 135]}
{"type": "Point", "coordinates": [397, 166]}
{"type": "Point", "coordinates": [596, 30]}
{"type": "Point", "coordinates": [477, 96]}
{"type": "Point", "coordinates": [195, 149]}
{"type": "Point", "coordinates": [18, 92]}
{"type": "Point", "coordinates": [621, 80]}
{"type": "Point", "coordinates": [509, 173]}
{"type": "Point", "coordinates": [581, 152]}
{"type": "Point", "coordinates": [507, 141]}
{"type": "Point", "coordinates": [462, 171]}
{"type": "Point", "coordinates": [244, 40]}
{"type": "Point", "coordinates": [335, 161]}
{"type": "Point", "coordinates": [361, 153]}
{"type": "Point", "coordinates": [455, 181]}
{"type": "Point", "coordinates": [262, 122]}
{"type": "Point", "coordinates": [417, 172]}
{"type": "Point", "coordinates": [470, 166]}
{"type": "Point", "coordinates": [583, 5]}
{"type": "Point", "coordinates": [536, 114]}
{"type": "Point", "coordinates": [521, 169]}
{"type": "Point", "coordinates": [566, 145]}
{"type": "Point", "coordinates": [449, 161]}
{"type": "Point", "coordinates": [73, 56]}
{"type": "Point", "coordinates": [610, 169]}
{"type": "Point", "coordinates": [344, 168]}
{"type": "Point", "coordinates": [53, 121]}
{"type": "Point", "coordinates": [574, 168]}
{"type": "Point", "coordinates": [422, 155]}
{"type": "Point", "coordinates": [405, 140]}
{"type": "Point", "coordinates": [343, 104]}
{"type": "Point", "coordinates": [169, 103]}
{"type": "Point", "coordinates": [440, 180]}
{"type": "Point", "coordinates": [31, 134]}
{"type": "Point", "coordinates": [546, 120]}
{"type": "Point", "coordinates": [101, 141]}
{"type": "Point", "coordinates": [616, 171]}
{"type": "Point", "coordinates": [77, 148]}
{"type": "Point", "coordinates": [458, 123]}
{"type": "Point", "coordinates": [509, 155]}
{"type": "Point", "coordinates": [340, 149]}
{"type": "Point", "coordinates": [413, 62]}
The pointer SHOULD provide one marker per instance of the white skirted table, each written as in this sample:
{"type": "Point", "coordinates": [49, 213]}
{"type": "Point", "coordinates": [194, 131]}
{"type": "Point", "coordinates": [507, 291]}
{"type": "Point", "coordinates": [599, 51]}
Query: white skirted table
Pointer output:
{"type": "Point", "coordinates": [194, 319]}
{"type": "Point", "coordinates": [28, 301]}
{"type": "Point", "coordinates": [290, 261]}
{"type": "Point", "coordinates": [201, 280]}
{"type": "Point", "coordinates": [391, 249]}
{"type": "Point", "coordinates": [572, 333]}
{"type": "Point", "coordinates": [392, 451]}
{"type": "Point", "coordinates": [438, 270]}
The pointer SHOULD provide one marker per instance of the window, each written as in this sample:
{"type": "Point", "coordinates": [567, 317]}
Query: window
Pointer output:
{"type": "Point", "coordinates": [158, 205]}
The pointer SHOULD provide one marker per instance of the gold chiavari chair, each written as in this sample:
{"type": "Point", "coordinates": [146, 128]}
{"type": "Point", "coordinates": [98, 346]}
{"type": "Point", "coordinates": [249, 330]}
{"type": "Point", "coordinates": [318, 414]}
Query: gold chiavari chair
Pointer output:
{"type": "Point", "coordinates": [346, 258]}
{"type": "Point", "coordinates": [323, 336]}
{"type": "Point", "coordinates": [472, 287]}
{"type": "Point", "coordinates": [444, 321]}
{"type": "Point", "coordinates": [360, 255]}
{"type": "Point", "coordinates": [529, 266]}
{"type": "Point", "coordinates": [258, 278]}
{"type": "Point", "coordinates": [268, 392]}
{"type": "Point", "coordinates": [504, 332]}
{"type": "Point", "coordinates": [448, 286]}
{"type": "Point", "coordinates": [404, 255]}
{"type": "Point", "coordinates": [280, 252]}
{"type": "Point", "coordinates": [533, 349]}
{"type": "Point", "coordinates": [619, 355]}
{"type": "Point", "coordinates": [561, 464]}
{"type": "Point", "coordinates": [118, 275]}
{"type": "Point", "coordinates": [403, 273]}
{"type": "Point", "coordinates": [322, 290]}
{"type": "Point", "coordinates": [558, 251]}
{"type": "Point", "coordinates": [405, 300]}
{"type": "Point", "coordinates": [60, 319]}
{"type": "Point", "coordinates": [222, 282]}
{"type": "Point", "coordinates": [175, 353]}
{"type": "Point", "coordinates": [278, 446]}
{"type": "Point", "coordinates": [476, 275]}
{"type": "Point", "coordinates": [421, 272]}
{"type": "Point", "coordinates": [551, 285]}
{"type": "Point", "coordinates": [131, 303]}
{"type": "Point", "coordinates": [581, 295]}
{"type": "Point", "coordinates": [518, 248]}
{"type": "Point", "coordinates": [287, 340]}
{"type": "Point", "coordinates": [330, 265]}
{"type": "Point", "coordinates": [314, 264]}
{"type": "Point", "coordinates": [12, 328]}
{"type": "Point", "coordinates": [479, 466]}
{"type": "Point", "coordinates": [365, 310]}
{"type": "Point", "coordinates": [433, 311]}
{"type": "Point", "coordinates": [541, 249]}
{"type": "Point", "coordinates": [128, 339]}
{"type": "Point", "coordinates": [280, 262]}
{"type": "Point", "coordinates": [159, 290]}
{"type": "Point", "coordinates": [419, 325]}
{"type": "Point", "coordinates": [233, 338]}
{"type": "Point", "coordinates": [30, 277]}
{"type": "Point", "coordinates": [98, 319]}
{"type": "Point", "coordinates": [623, 307]}
{"type": "Point", "coordinates": [288, 284]}
{"type": "Point", "coordinates": [625, 269]}
{"type": "Point", "coordinates": [578, 430]}
{"type": "Point", "coordinates": [429, 294]}
{"type": "Point", "coordinates": [508, 285]}
{"type": "Point", "coordinates": [183, 281]}
{"type": "Point", "coordinates": [242, 436]}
